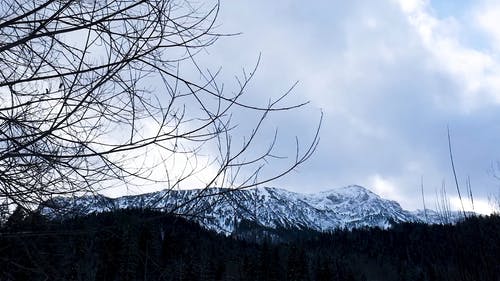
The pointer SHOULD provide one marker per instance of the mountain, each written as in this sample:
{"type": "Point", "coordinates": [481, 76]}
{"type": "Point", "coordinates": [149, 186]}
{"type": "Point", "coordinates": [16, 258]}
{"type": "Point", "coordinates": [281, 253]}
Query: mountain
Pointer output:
{"type": "Point", "coordinates": [223, 210]}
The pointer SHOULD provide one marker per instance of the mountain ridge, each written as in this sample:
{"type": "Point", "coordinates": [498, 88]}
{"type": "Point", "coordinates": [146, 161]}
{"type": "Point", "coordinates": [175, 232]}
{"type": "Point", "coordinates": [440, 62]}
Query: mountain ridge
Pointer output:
{"type": "Point", "coordinates": [222, 209]}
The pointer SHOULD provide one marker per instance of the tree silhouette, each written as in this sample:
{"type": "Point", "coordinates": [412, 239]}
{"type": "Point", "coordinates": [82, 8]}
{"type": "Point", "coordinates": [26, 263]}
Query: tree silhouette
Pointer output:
{"type": "Point", "coordinates": [99, 94]}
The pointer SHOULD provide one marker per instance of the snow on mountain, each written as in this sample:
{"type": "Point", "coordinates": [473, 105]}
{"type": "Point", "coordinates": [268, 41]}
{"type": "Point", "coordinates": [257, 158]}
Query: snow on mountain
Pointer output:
{"type": "Point", "coordinates": [432, 217]}
{"type": "Point", "coordinates": [222, 209]}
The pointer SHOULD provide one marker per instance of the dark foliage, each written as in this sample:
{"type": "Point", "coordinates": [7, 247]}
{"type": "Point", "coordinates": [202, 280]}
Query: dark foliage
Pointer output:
{"type": "Point", "coordinates": [146, 245]}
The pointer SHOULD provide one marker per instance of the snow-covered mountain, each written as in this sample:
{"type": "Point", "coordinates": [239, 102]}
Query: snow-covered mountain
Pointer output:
{"type": "Point", "coordinates": [222, 209]}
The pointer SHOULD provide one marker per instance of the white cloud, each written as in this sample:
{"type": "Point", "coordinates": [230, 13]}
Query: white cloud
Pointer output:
{"type": "Point", "coordinates": [386, 188]}
{"type": "Point", "coordinates": [487, 18]}
{"type": "Point", "coordinates": [477, 71]}
{"type": "Point", "coordinates": [481, 206]}
{"type": "Point", "coordinates": [390, 75]}
{"type": "Point", "coordinates": [410, 6]}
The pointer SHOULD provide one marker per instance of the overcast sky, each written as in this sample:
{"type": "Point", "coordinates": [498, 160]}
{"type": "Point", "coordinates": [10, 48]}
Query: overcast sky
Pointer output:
{"type": "Point", "coordinates": [389, 76]}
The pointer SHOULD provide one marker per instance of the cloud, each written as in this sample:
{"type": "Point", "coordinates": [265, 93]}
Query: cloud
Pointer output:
{"type": "Point", "coordinates": [486, 17]}
{"type": "Point", "coordinates": [480, 206]}
{"type": "Point", "coordinates": [385, 187]}
{"type": "Point", "coordinates": [389, 75]}
{"type": "Point", "coordinates": [476, 71]}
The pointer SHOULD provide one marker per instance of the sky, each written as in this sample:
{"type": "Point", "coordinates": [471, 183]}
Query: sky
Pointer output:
{"type": "Point", "coordinates": [389, 76]}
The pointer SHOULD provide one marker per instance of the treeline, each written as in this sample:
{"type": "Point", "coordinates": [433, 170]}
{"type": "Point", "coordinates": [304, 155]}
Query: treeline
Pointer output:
{"type": "Point", "coordinates": [147, 245]}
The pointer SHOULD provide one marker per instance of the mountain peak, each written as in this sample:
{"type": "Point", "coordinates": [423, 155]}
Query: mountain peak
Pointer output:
{"type": "Point", "coordinates": [353, 190]}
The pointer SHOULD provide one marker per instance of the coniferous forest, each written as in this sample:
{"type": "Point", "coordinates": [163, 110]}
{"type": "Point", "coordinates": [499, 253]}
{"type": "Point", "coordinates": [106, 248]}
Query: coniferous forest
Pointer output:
{"type": "Point", "coordinates": [147, 245]}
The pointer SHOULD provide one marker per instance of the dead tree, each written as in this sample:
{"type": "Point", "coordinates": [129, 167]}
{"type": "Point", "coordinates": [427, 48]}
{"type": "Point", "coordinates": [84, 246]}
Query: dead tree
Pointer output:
{"type": "Point", "coordinates": [98, 94]}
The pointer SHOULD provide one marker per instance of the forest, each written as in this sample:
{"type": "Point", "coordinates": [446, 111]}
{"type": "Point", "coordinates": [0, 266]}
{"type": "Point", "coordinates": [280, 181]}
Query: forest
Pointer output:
{"type": "Point", "coordinates": [149, 245]}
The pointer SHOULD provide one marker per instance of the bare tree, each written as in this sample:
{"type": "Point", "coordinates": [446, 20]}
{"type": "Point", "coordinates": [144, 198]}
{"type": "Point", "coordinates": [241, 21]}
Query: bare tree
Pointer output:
{"type": "Point", "coordinates": [457, 185]}
{"type": "Point", "coordinates": [95, 94]}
